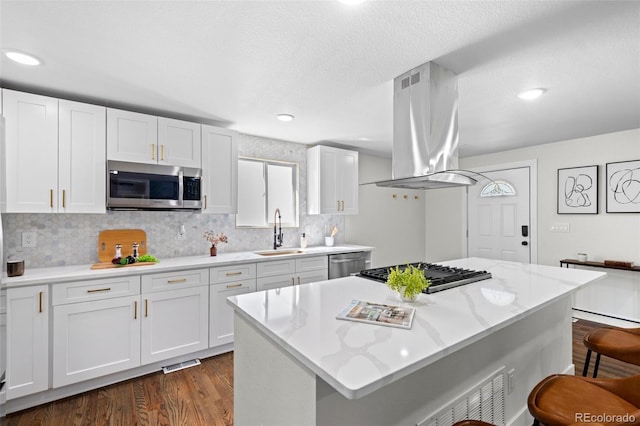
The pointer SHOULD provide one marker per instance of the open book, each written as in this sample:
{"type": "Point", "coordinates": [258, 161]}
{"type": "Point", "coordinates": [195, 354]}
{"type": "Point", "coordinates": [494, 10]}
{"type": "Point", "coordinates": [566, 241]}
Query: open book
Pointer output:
{"type": "Point", "coordinates": [377, 313]}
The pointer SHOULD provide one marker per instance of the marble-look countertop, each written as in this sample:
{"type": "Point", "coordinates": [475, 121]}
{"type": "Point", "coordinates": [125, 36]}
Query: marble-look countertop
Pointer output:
{"type": "Point", "coordinates": [33, 276]}
{"type": "Point", "coordinates": [357, 359]}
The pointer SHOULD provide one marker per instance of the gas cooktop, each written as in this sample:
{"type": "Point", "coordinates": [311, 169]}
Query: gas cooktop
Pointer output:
{"type": "Point", "coordinates": [441, 277]}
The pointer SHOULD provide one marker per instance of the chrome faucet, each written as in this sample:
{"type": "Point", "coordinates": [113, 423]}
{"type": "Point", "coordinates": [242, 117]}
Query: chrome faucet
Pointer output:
{"type": "Point", "coordinates": [278, 236]}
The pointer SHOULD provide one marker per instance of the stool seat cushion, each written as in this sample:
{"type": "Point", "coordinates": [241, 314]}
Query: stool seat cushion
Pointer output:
{"type": "Point", "coordinates": [616, 343]}
{"type": "Point", "coordinates": [564, 399]}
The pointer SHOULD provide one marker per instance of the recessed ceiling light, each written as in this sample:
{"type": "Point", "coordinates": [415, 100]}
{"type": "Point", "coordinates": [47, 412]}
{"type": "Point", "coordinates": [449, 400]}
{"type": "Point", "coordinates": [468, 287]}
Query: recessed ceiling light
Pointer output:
{"type": "Point", "coordinates": [351, 2]}
{"type": "Point", "coordinates": [531, 94]}
{"type": "Point", "coordinates": [285, 117]}
{"type": "Point", "coordinates": [22, 58]}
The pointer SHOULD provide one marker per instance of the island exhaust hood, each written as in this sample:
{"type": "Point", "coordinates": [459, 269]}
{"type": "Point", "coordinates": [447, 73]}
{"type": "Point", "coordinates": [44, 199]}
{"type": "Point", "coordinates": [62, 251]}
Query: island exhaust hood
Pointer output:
{"type": "Point", "coordinates": [425, 130]}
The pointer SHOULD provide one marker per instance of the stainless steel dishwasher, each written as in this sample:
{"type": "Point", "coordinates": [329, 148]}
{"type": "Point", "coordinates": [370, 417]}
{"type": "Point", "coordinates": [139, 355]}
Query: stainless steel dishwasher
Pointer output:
{"type": "Point", "coordinates": [345, 264]}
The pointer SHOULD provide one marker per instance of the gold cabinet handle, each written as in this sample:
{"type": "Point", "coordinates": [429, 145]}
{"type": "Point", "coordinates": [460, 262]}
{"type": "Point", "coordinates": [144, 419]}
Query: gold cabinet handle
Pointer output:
{"type": "Point", "coordinates": [342, 205]}
{"type": "Point", "coordinates": [162, 152]}
{"type": "Point", "coordinates": [98, 290]}
{"type": "Point", "coordinates": [234, 285]}
{"type": "Point", "coordinates": [205, 202]}
{"type": "Point", "coordinates": [298, 280]}
{"type": "Point", "coordinates": [40, 302]}
{"type": "Point", "coordinates": [51, 198]}
{"type": "Point", "coordinates": [64, 198]}
{"type": "Point", "coordinates": [233, 274]}
{"type": "Point", "coordinates": [181, 280]}
{"type": "Point", "coordinates": [293, 282]}
{"type": "Point", "coordinates": [146, 308]}
{"type": "Point", "coordinates": [153, 151]}
{"type": "Point", "coordinates": [135, 309]}
{"type": "Point", "coordinates": [338, 205]}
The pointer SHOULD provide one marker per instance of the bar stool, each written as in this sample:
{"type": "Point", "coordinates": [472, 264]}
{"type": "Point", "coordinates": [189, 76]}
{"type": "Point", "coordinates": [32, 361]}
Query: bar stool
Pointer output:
{"type": "Point", "coordinates": [561, 400]}
{"type": "Point", "coordinates": [620, 343]}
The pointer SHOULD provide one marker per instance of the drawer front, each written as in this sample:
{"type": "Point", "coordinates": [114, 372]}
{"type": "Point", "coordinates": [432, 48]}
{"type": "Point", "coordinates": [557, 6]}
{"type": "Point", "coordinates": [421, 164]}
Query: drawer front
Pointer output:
{"type": "Point", "coordinates": [277, 281]}
{"type": "Point", "coordinates": [312, 276]}
{"type": "Point", "coordinates": [175, 280]}
{"type": "Point", "coordinates": [83, 291]}
{"type": "Point", "coordinates": [312, 263]}
{"type": "Point", "coordinates": [276, 267]}
{"type": "Point", "coordinates": [223, 274]}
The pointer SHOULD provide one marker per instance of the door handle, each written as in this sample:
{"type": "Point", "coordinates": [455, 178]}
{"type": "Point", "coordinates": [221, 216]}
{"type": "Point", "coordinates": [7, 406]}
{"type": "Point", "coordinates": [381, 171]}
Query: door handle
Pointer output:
{"type": "Point", "coordinates": [525, 231]}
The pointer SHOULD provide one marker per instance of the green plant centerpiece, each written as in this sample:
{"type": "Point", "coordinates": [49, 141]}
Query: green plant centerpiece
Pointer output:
{"type": "Point", "coordinates": [408, 281]}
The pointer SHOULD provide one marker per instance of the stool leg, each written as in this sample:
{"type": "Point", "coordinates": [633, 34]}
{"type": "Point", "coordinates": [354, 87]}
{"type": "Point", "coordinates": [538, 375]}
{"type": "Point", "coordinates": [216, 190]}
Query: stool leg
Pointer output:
{"type": "Point", "coordinates": [586, 363]}
{"type": "Point", "coordinates": [536, 422]}
{"type": "Point", "coordinates": [595, 368]}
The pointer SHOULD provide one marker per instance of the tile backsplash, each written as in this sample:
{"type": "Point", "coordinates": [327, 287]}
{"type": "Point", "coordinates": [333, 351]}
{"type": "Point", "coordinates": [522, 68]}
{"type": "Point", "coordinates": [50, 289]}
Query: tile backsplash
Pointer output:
{"type": "Point", "coordinates": [71, 239]}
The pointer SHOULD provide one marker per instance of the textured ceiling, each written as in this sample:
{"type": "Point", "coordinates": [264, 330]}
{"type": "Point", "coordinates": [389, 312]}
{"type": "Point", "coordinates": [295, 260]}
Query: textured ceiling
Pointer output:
{"type": "Point", "coordinates": [238, 63]}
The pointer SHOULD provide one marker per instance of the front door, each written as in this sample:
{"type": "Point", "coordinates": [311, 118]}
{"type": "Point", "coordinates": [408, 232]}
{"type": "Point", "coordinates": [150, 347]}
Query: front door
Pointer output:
{"type": "Point", "coordinates": [499, 216]}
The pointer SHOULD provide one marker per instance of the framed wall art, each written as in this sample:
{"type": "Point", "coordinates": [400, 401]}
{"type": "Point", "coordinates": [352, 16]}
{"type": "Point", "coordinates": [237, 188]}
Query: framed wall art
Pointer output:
{"type": "Point", "coordinates": [623, 187]}
{"type": "Point", "coordinates": [578, 190]}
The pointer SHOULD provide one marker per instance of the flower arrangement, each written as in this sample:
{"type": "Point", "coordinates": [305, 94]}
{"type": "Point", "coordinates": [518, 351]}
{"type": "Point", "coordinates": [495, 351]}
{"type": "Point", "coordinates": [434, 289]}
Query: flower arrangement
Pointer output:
{"type": "Point", "coordinates": [215, 239]}
{"type": "Point", "coordinates": [408, 282]}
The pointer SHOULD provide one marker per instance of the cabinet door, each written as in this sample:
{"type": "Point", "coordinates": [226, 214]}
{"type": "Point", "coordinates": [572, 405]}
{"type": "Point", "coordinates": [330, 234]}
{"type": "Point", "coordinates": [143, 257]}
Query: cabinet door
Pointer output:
{"type": "Point", "coordinates": [174, 323]}
{"type": "Point", "coordinates": [221, 314]}
{"type": "Point", "coordinates": [92, 339]}
{"type": "Point", "coordinates": [27, 341]}
{"type": "Point", "coordinates": [179, 143]}
{"type": "Point", "coordinates": [312, 276]}
{"type": "Point", "coordinates": [82, 158]}
{"type": "Point", "coordinates": [268, 283]}
{"type": "Point", "coordinates": [132, 136]}
{"type": "Point", "coordinates": [31, 152]}
{"type": "Point", "coordinates": [329, 199]}
{"type": "Point", "coordinates": [347, 170]}
{"type": "Point", "coordinates": [219, 170]}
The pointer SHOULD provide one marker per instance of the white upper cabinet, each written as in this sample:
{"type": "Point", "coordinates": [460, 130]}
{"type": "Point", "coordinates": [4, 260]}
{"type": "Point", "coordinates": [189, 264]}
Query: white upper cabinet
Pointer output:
{"type": "Point", "coordinates": [61, 143]}
{"type": "Point", "coordinates": [219, 170]}
{"type": "Point", "coordinates": [82, 158]}
{"type": "Point", "coordinates": [332, 181]}
{"type": "Point", "coordinates": [132, 136]}
{"type": "Point", "coordinates": [143, 138]}
{"type": "Point", "coordinates": [179, 143]}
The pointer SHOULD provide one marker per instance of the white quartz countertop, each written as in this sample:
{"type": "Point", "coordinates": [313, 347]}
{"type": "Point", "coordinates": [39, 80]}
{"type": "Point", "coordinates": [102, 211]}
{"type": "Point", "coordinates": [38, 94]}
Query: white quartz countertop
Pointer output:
{"type": "Point", "coordinates": [50, 275]}
{"type": "Point", "coordinates": [357, 359]}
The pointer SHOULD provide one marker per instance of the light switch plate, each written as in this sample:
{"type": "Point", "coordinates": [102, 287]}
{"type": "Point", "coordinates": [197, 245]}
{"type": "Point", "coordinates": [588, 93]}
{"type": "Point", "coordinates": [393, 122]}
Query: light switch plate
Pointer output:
{"type": "Point", "coordinates": [29, 239]}
{"type": "Point", "coordinates": [560, 227]}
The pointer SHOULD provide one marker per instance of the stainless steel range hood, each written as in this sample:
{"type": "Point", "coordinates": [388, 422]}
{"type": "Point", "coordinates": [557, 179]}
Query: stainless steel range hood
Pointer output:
{"type": "Point", "coordinates": [425, 130]}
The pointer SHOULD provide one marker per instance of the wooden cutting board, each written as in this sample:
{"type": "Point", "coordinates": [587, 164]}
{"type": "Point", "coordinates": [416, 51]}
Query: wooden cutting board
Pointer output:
{"type": "Point", "coordinates": [105, 265]}
{"type": "Point", "coordinates": [108, 239]}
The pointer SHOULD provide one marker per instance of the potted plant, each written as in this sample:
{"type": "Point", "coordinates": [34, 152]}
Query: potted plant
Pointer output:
{"type": "Point", "coordinates": [408, 282]}
{"type": "Point", "coordinates": [215, 239]}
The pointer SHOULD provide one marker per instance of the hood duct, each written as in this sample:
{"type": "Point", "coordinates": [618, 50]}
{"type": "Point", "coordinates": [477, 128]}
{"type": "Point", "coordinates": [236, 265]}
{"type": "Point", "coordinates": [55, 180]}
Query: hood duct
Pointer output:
{"type": "Point", "coordinates": [425, 130]}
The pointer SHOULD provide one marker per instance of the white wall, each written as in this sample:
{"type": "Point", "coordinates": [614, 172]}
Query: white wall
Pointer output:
{"type": "Point", "coordinates": [601, 236]}
{"type": "Point", "coordinates": [394, 226]}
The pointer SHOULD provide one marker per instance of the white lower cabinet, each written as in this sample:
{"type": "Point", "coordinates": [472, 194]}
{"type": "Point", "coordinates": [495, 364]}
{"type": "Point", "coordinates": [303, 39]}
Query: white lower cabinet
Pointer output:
{"type": "Point", "coordinates": [91, 339]}
{"type": "Point", "coordinates": [175, 314]}
{"type": "Point", "coordinates": [286, 272]}
{"type": "Point", "coordinates": [27, 340]}
{"type": "Point", "coordinates": [221, 326]}
{"type": "Point", "coordinates": [227, 281]}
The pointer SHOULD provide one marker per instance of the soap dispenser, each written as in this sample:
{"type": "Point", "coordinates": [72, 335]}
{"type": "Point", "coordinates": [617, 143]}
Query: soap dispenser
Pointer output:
{"type": "Point", "coordinates": [303, 240]}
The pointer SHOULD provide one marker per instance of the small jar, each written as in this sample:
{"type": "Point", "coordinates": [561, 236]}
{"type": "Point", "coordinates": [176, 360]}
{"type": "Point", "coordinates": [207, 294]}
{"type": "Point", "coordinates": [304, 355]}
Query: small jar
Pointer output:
{"type": "Point", "coordinates": [134, 250]}
{"type": "Point", "coordinates": [118, 251]}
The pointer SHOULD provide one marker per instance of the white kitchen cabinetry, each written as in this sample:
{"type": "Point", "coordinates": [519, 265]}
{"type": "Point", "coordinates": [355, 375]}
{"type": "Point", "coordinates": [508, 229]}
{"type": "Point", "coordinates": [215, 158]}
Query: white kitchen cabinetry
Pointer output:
{"type": "Point", "coordinates": [179, 143]}
{"type": "Point", "coordinates": [286, 272]}
{"type": "Point", "coordinates": [175, 314]}
{"type": "Point", "coordinates": [55, 155]}
{"type": "Point", "coordinates": [96, 328]}
{"type": "Point", "coordinates": [227, 281]}
{"type": "Point", "coordinates": [144, 138]}
{"type": "Point", "coordinates": [27, 340]}
{"type": "Point", "coordinates": [219, 170]}
{"type": "Point", "coordinates": [332, 181]}
{"type": "Point", "coordinates": [132, 136]}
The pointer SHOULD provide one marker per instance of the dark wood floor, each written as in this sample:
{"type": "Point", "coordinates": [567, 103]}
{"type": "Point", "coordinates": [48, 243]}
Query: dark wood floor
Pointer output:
{"type": "Point", "coordinates": [201, 395]}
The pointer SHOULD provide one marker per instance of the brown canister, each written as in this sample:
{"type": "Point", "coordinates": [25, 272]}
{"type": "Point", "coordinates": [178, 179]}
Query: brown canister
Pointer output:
{"type": "Point", "coordinates": [15, 268]}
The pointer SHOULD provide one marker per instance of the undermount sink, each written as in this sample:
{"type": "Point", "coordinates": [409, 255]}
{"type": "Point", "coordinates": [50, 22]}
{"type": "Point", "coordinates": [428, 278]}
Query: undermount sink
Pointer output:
{"type": "Point", "coordinates": [277, 252]}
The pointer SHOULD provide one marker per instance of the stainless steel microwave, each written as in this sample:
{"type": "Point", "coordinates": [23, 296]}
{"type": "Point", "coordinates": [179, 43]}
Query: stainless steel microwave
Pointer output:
{"type": "Point", "coordinates": [138, 186]}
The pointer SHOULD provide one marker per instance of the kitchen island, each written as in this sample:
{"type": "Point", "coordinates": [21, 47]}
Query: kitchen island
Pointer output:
{"type": "Point", "coordinates": [475, 350]}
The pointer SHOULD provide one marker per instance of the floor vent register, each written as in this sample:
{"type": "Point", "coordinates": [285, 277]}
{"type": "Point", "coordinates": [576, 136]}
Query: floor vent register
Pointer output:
{"type": "Point", "coordinates": [484, 401]}
{"type": "Point", "coordinates": [180, 366]}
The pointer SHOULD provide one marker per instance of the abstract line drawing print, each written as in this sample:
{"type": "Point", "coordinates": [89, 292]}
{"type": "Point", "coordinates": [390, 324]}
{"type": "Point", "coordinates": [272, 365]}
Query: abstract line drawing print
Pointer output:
{"type": "Point", "coordinates": [576, 190]}
{"type": "Point", "coordinates": [625, 186]}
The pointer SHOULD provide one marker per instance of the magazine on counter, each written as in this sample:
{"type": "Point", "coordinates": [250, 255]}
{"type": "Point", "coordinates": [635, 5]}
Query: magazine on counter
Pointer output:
{"type": "Point", "coordinates": [377, 313]}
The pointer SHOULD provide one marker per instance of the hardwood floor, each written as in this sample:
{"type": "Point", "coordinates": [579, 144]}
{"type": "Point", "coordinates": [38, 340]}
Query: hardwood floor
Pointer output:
{"type": "Point", "coordinates": [201, 395]}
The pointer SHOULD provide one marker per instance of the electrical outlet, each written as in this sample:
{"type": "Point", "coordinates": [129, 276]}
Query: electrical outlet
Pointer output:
{"type": "Point", "coordinates": [560, 227]}
{"type": "Point", "coordinates": [29, 239]}
{"type": "Point", "coordinates": [182, 233]}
